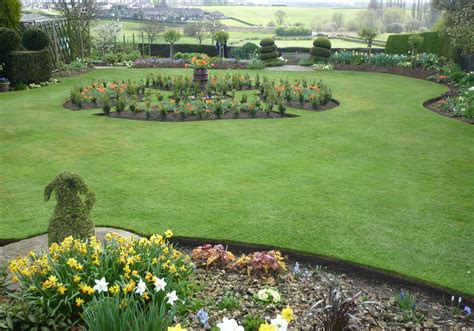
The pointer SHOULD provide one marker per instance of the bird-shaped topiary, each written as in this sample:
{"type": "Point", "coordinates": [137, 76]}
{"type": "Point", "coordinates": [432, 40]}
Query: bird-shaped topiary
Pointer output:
{"type": "Point", "coordinates": [71, 216]}
{"type": "Point", "coordinates": [321, 52]}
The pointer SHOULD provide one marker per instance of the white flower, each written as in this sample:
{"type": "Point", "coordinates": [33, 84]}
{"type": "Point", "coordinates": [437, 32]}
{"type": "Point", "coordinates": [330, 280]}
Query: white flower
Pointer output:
{"type": "Point", "coordinates": [262, 295]}
{"type": "Point", "coordinates": [172, 297]}
{"type": "Point", "coordinates": [229, 325]}
{"type": "Point", "coordinates": [141, 287]}
{"type": "Point", "coordinates": [280, 323]}
{"type": "Point", "coordinates": [160, 284]}
{"type": "Point", "coordinates": [101, 285]}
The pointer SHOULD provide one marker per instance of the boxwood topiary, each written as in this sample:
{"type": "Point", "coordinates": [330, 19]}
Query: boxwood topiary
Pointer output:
{"type": "Point", "coordinates": [322, 42]}
{"type": "Point", "coordinates": [27, 66]}
{"type": "Point", "coordinates": [321, 52]}
{"type": "Point", "coordinates": [71, 215]}
{"type": "Point", "coordinates": [35, 39]}
{"type": "Point", "coordinates": [268, 51]}
{"type": "Point", "coordinates": [9, 40]}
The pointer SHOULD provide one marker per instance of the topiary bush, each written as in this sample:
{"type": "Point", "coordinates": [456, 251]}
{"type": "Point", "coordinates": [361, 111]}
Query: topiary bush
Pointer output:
{"type": "Point", "coordinates": [9, 40]}
{"type": "Point", "coordinates": [27, 66]}
{"type": "Point", "coordinates": [35, 39]}
{"type": "Point", "coordinates": [268, 52]}
{"type": "Point", "coordinates": [71, 215]}
{"type": "Point", "coordinates": [245, 52]}
{"type": "Point", "coordinates": [321, 51]}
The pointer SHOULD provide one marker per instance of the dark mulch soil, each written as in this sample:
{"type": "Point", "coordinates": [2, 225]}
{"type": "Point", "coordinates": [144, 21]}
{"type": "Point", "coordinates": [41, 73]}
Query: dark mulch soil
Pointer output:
{"type": "Point", "coordinates": [435, 105]}
{"type": "Point", "coordinates": [72, 73]}
{"type": "Point", "coordinates": [301, 291]}
{"type": "Point", "coordinates": [172, 117]}
{"type": "Point", "coordinates": [307, 106]}
{"type": "Point", "coordinates": [409, 72]}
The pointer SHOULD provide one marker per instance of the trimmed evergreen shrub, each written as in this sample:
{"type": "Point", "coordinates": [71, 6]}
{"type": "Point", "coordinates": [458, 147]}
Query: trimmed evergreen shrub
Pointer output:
{"type": "Point", "coordinates": [268, 52]}
{"type": "Point", "coordinates": [434, 43]}
{"type": "Point", "coordinates": [244, 52]}
{"type": "Point", "coordinates": [71, 215]}
{"type": "Point", "coordinates": [321, 52]}
{"type": "Point", "coordinates": [292, 31]}
{"type": "Point", "coordinates": [322, 42]}
{"type": "Point", "coordinates": [9, 40]}
{"type": "Point", "coordinates": [267, 42]}
{"type": "Point", "coordinates": [35, 39]}
{"type": "Point", "coordinates": [27, 66]}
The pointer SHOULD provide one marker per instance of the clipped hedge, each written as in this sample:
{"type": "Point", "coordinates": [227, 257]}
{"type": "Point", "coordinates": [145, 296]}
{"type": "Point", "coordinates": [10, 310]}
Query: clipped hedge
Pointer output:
{"type": "Point", "coordinates": [292, 31]}
{"type": "Point", "coordinates": [9, 40]}
{"type": "Point", "coordinates": [322, 42]}
{"type": "Point", "coordinates": [27, 66]}
{"type": "Point", "coordinates": [267, 49]}
{"type": "Point", "coordinates": [269, 56]}
{"type": "Point", "coordinates": [320, 53]}
{"type": "Point", "coordinates": [163, 50]}
{"type": "Point", "coordinates": [35, 39]}
{"type": "Point", "coordinates": [267, 42]}
{"type": "Point", "coordinates": [433, 43]}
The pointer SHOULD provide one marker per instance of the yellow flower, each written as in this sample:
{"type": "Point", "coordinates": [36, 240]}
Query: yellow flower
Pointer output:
{"type": "Point", "coordinates": [76, 278]}
{"type": "Point", "coordinates": [149, 277]}
{"type": "Point", "coordinates": [114, 289]}
{"type": "Point", "coordinates": [173, 268]}
{"type": "Point", "coordinates": [146, 296]}
{"type": "Point", "coordinates": [79, 302]}
{"type": "Point", "coordinates": [287, 313]}
{"type": "Point", "coordinates": [31, 254]}
{"type": "Point", "coordinates": [50, 282]}
{"type": "Point", "coordinates": [135, 272]}
{"type": "Point", "coordinates": [168, 233]}
{"type": "Point", "coordinates": [61, 289]}
{"type": "Point", "coordinates": [266, 327]}
{"type": "Point", "coordinates": [177, 327]}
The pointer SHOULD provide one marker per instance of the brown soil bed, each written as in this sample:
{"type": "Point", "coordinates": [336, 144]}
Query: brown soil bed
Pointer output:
{"type": "Point", "coordinates": [172, 117]}
{"type": "Point", "coordinates": [307, 106]}
{"type": "Point", "coordinates": [409, 72]}
{"type": "Point", "coordinates": [435, 105]}
{"type": "Point", "coordinates": [72, 73]}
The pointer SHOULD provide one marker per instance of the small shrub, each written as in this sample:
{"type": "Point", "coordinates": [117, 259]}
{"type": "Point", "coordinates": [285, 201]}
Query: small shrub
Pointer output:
{"type": "Point", "coordinates": [246, 51]}
{"type": "Point", "coordinates": [27, 66]}
{"type": "Point", "coordinates": [9, 40]}
{"type": "Point", "coordinates": [267, 42]}
{"type": "Point", "coordinates": [252, 322]}
{"type": "Point", "coordinates": [261, 263]}
{"type": "Point", "coordinates": [35, 39]}
{"type": "Point", "coordinates": [71, 215]}
{"type": "Point", "coordinates": [256, 63]}
{"type": "Point", "coordinates": [267, 296]}
{"type": "Point", "coordinates": [306, 62]}
{"type": "Point", "coordinates": [395, 27]}
{"type": "Point", "coordinates": [106, 104]}
{"type": "Point", "coordinates": [228, 301]}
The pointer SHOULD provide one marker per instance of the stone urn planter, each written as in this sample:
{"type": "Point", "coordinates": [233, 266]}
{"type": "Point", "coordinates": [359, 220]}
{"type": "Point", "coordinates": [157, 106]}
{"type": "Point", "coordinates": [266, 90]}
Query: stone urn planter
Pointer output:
{"type": "Point", "coordinates": [4, 85]}
{"type": "Point", "coordinates": [201, 76]}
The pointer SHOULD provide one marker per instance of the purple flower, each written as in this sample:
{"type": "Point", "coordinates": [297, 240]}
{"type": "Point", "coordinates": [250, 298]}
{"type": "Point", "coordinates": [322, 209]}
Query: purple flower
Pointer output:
{"type": "Point", "coordinates": [203, 317]}
{"type": "Point", "coordinates": [4, 80]}
{"type": "Point", "coordinates": [467, 310]}
{"type": "Point", "coordinates": [296, 269]}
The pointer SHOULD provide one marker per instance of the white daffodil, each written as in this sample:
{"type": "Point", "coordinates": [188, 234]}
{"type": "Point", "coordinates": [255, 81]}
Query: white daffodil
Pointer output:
{"type": "Point", "coordinates": [141, 287]}
{"type": "Point", "coordinates": [280, 323]}
{"type": "Point", "coordinates": [160, 284]}
{"type": "Point", "coordinates": [229, 325]}
{"type": "Point", "coordinates": [101, 285]}
{"type": "Point", "coordinates": [172, 297]}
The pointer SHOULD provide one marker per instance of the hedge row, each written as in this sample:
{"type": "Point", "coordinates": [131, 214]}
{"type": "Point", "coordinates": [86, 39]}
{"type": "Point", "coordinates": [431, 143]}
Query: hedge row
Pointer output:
{"type": "Point", "coordinates": [163, 50]}
{"type": "Point", "coordinates": [27, 66]}
{"type": "Point", "coordinates": [433, 43]}
{"type": "Point", "coordinates": [292, 31]}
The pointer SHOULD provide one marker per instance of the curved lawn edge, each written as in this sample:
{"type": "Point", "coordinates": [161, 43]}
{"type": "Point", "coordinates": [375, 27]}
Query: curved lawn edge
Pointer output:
{"type": "Point", "coordinates": [429, 104]}
{"type": "Point", "coordinates": [367, 272]}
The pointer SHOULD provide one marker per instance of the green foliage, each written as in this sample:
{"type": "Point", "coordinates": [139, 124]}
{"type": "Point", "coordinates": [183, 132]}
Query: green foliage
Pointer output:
{"type": "Point", "coordinates": [395, 27]}
{"type": "Point", "coordinates": [459, 26]}
{"type": "Point", "coordinates": [228, 301]}
{"type": "Point", "coordinates": [415, 41]}
{"type": "Point", "coordinates": [292, 31]}
{"type": "Point", "coordinates": [252, 322]}
{"type": "Point", "coordinates": [320, 53]}
{"type": "Point", "coordinates": [256, 63]}
{"type": "Point", "coordinates": [306, 62]}
{"type": "Point", "coordinates": [267, 49]}
{"type": "Point", "coordinates": [267, 42]}
{"type": "Point", "coordinates": [244, 52]}
{"type": "Point", "coordinates": [71, 215]}
{"type": "Point", "coordinates": [10, 13]}
{"type": "Point", "coordinates": [129, 315]}
{"type": "Point", "coordinates": [434, 43]}
{"type": "Point", "coordinates": [269, 56]}
{"type": "Point", "coordinates": [27, 66]}
{"type": "Point", "coordinates": [221, 36]}
{"type": "Point", "coordinates": [35, 39]}
{"type": "Point", "coordinates": [9, 40]}
{"type": "Point", "coordinates": [407, 304]}
{"type": "Point", "coordinates": [322, 42]}
{"type": "Point", "coordinates": [171, 36]}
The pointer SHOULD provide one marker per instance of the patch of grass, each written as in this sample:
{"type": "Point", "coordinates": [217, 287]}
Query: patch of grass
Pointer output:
{"type": "Point", "coordinates": [380, 180]}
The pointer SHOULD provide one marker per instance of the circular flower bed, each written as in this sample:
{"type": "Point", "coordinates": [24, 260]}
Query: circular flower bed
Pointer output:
{"type": "Point", "coordinates": [187, 100]}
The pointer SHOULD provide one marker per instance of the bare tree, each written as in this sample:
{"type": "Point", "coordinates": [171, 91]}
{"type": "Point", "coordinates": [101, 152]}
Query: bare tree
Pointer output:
{"type": "Point", "coordinates": [78, 14]}
{"type": "Point", "coordinates": [196, 30]}
{"type": "Point", "coordinates": [152, 30]}
{"type": "Point", "coordinates": [280, 16]}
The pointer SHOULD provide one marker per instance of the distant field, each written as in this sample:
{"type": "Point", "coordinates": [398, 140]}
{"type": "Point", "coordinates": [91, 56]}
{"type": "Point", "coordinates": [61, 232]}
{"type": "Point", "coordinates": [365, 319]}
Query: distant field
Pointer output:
{"type": "Point", "coordinates": [262, 15]}
{"type": "Point", "coordinates": [237, 38]}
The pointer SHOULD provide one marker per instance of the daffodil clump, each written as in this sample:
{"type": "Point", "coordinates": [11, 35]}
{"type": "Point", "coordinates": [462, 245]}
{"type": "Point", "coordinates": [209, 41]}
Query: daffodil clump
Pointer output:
{"type": "Point", "coordinates": [74, 272]}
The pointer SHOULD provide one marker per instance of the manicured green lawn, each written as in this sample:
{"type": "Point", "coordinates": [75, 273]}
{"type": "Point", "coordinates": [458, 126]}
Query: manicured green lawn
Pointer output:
{"type": "Point", "coordinates": [379, 180]}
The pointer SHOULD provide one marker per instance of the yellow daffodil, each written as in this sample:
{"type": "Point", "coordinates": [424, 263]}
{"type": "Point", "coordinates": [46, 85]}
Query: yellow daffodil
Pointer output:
{"type": "Point", "coordinates": [61, 289]}
{"type": "Point", "coordinates": [79, 302]}
{"type": "Point", "coordinates": [168, 233]}
{"type": "Point", "coordinates": [76, 278]}
{"type": "Point", "coordinates": [177, 327]}
{"type": "Point", "coordinates": [267, 327]}
{"type": "Point", "coordinates": [287, 313]}
{"type": "Point", "coordinates": [115, 289]}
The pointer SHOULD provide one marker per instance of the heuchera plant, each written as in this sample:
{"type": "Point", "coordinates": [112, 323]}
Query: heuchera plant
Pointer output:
{"type": "Point", "coordinates": [209, 255]}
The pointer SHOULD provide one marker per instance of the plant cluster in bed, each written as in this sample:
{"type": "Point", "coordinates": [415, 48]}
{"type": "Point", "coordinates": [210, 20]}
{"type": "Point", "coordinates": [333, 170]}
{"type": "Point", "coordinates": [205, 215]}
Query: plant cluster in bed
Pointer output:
{"type": "Point", "coordinates": [219, 99]}
{"type": "Point", "coordinates": [184, 59]}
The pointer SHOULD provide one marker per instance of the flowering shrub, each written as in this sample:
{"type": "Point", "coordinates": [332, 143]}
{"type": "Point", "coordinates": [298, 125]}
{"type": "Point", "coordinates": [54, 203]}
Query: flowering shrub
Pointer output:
{"type": "Point", "coordinates": [461, 105]}
{"type": "Point", "coordinates": [268, 295]}
{"type": "Point", "coordinates": [209, 255]}
{"type": "Point", "coordinates": [201, 61]}
{"type": "Point", "coordinates": [261, 263]}
{"type": "Point", "coordinates": [75, 272]}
